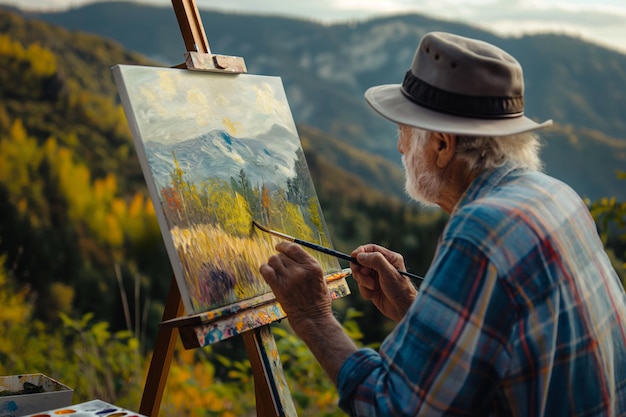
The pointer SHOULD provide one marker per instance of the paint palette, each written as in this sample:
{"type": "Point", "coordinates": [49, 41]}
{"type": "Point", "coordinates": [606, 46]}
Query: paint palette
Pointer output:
{"type": "Point", "coordinates": [95, 408]}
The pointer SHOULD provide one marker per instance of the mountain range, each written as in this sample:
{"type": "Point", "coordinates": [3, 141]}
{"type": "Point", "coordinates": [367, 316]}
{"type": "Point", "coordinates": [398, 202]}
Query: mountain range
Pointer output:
{"type": "Point", "coordinates": [217, 154]}
{"type": "Point", "coordinates": [326, 68]}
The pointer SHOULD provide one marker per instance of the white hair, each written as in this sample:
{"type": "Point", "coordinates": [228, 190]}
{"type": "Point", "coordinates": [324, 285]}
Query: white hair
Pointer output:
{"type": "Point", "coordinates": [479, 154]}
{"type": "Point", "coordinates": [482, 153]}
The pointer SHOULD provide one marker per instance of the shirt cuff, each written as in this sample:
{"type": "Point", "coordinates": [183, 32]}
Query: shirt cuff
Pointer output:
{"type": "Point", "coordinates": [353, 371]}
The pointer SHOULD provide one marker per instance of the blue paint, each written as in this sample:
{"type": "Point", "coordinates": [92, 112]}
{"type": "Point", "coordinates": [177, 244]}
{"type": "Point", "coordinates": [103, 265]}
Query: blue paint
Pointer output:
{"type": "Point", "coordinates": [227, 138]}
{"type": "Point", "coordinates": [9, 407]}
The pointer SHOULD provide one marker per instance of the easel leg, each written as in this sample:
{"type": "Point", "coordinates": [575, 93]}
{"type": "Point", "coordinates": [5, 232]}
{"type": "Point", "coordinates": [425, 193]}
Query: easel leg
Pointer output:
{"type": "Point", "coordinates": [273, 398]}
{"type": "Point", "coordinates": [162, 356]}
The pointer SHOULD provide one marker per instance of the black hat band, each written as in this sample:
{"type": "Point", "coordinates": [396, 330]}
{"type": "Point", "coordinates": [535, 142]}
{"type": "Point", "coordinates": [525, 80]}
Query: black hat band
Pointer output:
{"type": "Point", "coordinates": [443, 101]}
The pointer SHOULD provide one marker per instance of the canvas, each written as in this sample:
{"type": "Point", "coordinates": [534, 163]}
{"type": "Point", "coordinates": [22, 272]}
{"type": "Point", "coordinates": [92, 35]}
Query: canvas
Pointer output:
{"type": "Point", "coordinates": [217, 151]}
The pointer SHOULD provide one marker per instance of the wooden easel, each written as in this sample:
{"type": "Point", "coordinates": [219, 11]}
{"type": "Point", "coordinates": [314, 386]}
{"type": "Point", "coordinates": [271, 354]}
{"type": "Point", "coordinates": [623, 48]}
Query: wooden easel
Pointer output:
{"type": "Point", "coordinates": [271, 391]}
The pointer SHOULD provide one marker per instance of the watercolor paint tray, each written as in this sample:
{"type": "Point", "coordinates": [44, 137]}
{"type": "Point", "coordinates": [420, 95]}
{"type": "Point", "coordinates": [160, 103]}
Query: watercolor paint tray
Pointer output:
{"type": "Point", "coordinates": [95, 408]}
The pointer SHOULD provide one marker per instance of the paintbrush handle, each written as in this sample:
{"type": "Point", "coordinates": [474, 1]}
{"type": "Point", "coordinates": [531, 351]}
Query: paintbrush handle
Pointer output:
{"type": "Point", "coordinates": [410, 275]}
{"type": "Point", "coordinates": [325, 250]}
{"type": "Point", "coordinates": [344, 256]}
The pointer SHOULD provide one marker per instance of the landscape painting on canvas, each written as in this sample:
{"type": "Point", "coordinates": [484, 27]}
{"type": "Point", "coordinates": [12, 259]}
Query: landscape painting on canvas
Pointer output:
{"type": "Point", "coordinates": [218, 151]}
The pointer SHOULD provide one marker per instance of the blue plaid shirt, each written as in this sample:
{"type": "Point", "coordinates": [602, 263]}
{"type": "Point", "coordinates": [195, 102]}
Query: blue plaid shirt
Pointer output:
{"type": "Point", "coordinates": [520, 314]}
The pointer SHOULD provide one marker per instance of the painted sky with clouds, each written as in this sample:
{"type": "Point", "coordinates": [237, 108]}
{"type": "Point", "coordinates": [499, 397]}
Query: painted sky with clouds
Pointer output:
{"type": "Point", "coordinates": [164, 98]}
{"type": "Point", "coordinates": [601, 21]}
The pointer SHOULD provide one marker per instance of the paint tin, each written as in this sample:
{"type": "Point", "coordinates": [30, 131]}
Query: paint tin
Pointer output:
{"type": "Point", "coordinates": [31, 393]}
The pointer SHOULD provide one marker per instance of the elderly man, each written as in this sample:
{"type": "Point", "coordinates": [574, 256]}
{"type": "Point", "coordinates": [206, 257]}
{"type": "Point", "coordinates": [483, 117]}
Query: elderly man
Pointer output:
{"type": "Point", "coordinates": [521, 312]}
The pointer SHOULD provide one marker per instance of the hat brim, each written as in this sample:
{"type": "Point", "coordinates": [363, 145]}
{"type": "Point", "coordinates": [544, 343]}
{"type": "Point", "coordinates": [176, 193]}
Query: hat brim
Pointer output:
{"type": "Point", "coordinates": [389, 101]}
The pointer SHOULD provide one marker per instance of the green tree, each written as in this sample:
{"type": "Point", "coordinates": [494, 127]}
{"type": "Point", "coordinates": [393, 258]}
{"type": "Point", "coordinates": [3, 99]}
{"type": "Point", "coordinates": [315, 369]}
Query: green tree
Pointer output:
{"type": "Point", "coordinates": [610, 216]}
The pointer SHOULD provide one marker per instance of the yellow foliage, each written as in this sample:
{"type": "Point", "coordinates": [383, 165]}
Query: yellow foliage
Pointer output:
{"type": "Point", "coordinates": [137, 205]}
{"type": "Point", "coordinates": [74, 179]}
{"type": "Point", "coordinates": [121, 125]}
{"type": "Point", "coordinates": [50, 147]}
{"type": "Point", "coordinates": [119, 209]}
{"type": "Point", "coordinates": [186, 357]}
{"type": "Point", "coordinates": [71, 140]}
{"type": "Point", "coordinates": [139, 217]}
{"type": "Point", "coordinates": [15, 308]}
{"type": "Point", "coordinates": [62, 296]}
{"type": "Point", "coordinates": [17, 153]}
{"type": "Point", "coordinates": [8, 47]}
{"type": "Point", "coordinates": [193, 391]}
{"type": "Point", "coordinates": [293, 219]}
{"type": "Point", "coordinates": [5, 121]}
{"type": "Point", "coordinates": [105, 189]}
{"type": "Point", "coordinates": [22, 206]}
{"type": "Point", "coordinates": [18, 131]}
{"type": "Point", "coordinates": [204, 371]}
{"type": "Point", "coordinates": [230, 209]}
{"type": "Point", "coordinates": [150, 209]}
{"type": "Point", "coordinates": [112, 232]}
{"type": "Point", "coordinates": [20, 157]}
{"type": "Point", "coordinates": [42, 60]}
{"type": "Point", "coordinates": [96, 204]}
{"type": "Point", "coordinates": [326, 399]}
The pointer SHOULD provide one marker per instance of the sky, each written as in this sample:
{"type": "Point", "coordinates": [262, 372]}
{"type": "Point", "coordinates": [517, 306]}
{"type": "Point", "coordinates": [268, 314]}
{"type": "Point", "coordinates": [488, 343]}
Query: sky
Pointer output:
{"type": "Point", "coordinates": [599, 21]}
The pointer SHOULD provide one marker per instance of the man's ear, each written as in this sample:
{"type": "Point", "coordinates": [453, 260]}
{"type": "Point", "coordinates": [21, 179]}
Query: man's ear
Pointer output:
{"type": "Point", "coordinates": [445, 148]}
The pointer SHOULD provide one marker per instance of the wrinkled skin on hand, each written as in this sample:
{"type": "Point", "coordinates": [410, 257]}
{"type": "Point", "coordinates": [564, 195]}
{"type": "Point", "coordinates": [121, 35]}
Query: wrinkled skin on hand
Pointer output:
{"type": "Point", "coordinates": [380, 282]}
{"type": "Point", "coordinates": [297, 280]}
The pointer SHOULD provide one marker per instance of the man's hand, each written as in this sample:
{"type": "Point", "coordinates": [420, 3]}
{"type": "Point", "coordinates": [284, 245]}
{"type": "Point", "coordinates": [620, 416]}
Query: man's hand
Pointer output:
{"type": "Point", "coordinates": [298, 283]}
{"type": "Point", "coordinates": [297, 280]}
{"type": "Point", "coordinates": [380, 282]}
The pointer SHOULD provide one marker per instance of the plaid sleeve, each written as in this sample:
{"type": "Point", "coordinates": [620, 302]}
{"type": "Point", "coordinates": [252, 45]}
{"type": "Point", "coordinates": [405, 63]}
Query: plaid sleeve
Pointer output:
{"type": "Point", "coordinates": [448, 353]}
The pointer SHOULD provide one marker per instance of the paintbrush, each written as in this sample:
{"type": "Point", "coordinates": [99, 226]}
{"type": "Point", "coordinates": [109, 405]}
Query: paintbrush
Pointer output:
{"type": "Point", "coordinates": [323, 249]}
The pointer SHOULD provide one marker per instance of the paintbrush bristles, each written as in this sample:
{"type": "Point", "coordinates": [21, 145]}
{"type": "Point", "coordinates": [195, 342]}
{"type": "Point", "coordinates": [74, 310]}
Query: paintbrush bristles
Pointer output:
{"type": "Point", "coordinates": [273, 232]}
{"type": "Point", "coordinates": [265, 229]}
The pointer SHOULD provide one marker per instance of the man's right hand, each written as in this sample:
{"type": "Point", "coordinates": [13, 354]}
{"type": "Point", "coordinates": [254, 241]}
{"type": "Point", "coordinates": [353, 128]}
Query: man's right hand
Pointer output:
{"type": "Point", "coordinates": [379, 280]}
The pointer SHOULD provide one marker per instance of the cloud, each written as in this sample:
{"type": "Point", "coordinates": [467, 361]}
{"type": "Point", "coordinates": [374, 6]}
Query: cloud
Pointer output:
{"type": "Point", "coordinates": [599, 23]}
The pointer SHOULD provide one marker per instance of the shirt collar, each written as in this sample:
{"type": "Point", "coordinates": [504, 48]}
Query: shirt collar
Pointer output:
{"type": "Point", "coordinates": [483, 184]}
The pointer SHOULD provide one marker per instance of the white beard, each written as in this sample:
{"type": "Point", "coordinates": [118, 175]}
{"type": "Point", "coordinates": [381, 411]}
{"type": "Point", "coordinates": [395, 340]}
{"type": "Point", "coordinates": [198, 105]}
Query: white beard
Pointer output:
{"type": "Point", "coordinates": [421, 184]}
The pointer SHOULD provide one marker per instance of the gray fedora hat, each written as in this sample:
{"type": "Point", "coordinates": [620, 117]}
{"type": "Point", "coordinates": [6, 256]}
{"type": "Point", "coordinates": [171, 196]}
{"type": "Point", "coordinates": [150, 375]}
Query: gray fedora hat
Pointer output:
{"type": "Point", "coordinates": [457, 85]}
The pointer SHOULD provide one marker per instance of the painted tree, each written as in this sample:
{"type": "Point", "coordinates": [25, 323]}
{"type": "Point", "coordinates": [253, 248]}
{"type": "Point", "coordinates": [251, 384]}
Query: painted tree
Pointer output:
{"type": "Point", "coordinates": [266, 205]}
{"type": "Point", "coordinates": [183, 189]}
{"type": "Point", "coordinates": [316, 219]}
{"type": "Point", "coordinates": [229, 208]}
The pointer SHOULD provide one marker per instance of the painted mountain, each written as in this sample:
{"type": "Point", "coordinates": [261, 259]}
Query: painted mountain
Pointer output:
{"type": "Point", "coordinates": [219, 155]}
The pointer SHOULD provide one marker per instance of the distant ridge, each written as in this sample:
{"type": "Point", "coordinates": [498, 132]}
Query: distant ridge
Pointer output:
{"type": "Point", "coordinates": [326, 69]}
